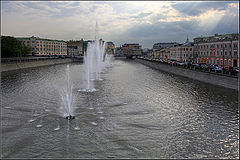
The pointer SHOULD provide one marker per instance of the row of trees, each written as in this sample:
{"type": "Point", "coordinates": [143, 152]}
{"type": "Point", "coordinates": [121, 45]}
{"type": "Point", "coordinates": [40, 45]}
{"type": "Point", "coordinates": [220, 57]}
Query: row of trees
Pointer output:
{"type": "Point", "coordinates": [11, 47]}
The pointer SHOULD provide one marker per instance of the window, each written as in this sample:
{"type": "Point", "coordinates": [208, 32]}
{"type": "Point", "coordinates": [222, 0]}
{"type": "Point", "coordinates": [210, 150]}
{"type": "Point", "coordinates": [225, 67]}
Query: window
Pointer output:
{"type": "Point", "coordinates": [225, 45]}
{"type": "Point", "coordinates": [230, 45]}
{"type": "Point", "coordinates": [221, 61]}
{"type": "Point", "coordinates": [225, 62]}
{"type": "Point", "coordinates": [230, 62]}
{"type": "Point", "coordinates": [225, 53]}
{"type": "Point", "coordinates": [217, 61]}
{"type": "Point", "coordinates": [230, 53]}
{"type": "Point", "coordinates": [235, 53]}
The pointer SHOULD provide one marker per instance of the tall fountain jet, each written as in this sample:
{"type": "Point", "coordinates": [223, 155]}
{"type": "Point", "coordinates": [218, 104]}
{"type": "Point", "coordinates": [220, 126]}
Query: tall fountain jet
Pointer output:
{"type": "Point", "coordinates": [93, 62]}
{"type": "Point", "coordinates": [67, 97]}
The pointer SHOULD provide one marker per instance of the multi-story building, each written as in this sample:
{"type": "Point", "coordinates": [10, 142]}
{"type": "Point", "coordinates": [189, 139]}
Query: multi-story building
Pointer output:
{"type": "Point", "coordinates": [72, 51]}
{"type": "Point", "coordinates": [158, 46]}
{"type": "Point", "coordinates": [182, 52]}
{"type": "Point", "coordinates": [147, 52]}
{"type": "Point", "coordinates": [134, 48]}
{"type": "Point", "coordinates": [110, 47]}
{"type": "Point", "coordinates": [80, 45]}
{"type": "Point", "coordinates": [44, 47]}
{"type": "Point", "coordinates": [222, 50]}
{"type": "Point", "coordinates": [162, 54]}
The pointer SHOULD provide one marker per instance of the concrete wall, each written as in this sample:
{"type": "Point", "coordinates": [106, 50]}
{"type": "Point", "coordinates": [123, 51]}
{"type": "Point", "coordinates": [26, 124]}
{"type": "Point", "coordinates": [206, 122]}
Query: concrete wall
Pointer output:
{"type": "Point", "coordinates": [215, 79]}
{"type": "Point", "coordinates": [30, 64]}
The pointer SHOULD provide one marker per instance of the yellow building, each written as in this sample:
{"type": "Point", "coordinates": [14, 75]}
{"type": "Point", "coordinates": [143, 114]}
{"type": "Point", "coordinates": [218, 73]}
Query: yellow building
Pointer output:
{"type": "Point", "coordinates": [110, 47]}
{"type": "Point", "coordinates": [44, 47]}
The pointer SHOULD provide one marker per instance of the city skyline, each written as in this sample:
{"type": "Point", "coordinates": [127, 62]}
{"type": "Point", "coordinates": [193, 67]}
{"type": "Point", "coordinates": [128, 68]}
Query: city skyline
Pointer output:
{"type": "Point", "coordinates": [145, 23]}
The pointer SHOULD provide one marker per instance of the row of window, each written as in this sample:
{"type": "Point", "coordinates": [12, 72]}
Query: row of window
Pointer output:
{"type": "Point", "coordinates": [180, 55]}
{"type": "Point", "coordinates": [218, 61]}
{"type": "Point", "coordinates": [235, 45]}
{"type": "Point", "coordinates": [46, 49]}
{"type": "Point", "coordinates": [46, 53]}
{"type": "Point", "coordinates": [235, 53]}
{"type": "Point", "coordinates": [51, 42]}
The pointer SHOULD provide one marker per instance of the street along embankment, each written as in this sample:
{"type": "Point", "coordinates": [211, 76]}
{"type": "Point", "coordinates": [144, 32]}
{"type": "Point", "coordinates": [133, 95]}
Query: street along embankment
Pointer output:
{"type": "Point", "coordinates": [210, 78]}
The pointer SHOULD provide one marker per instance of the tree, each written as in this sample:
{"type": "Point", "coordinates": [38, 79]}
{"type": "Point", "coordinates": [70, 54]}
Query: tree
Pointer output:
{"type": "Point", "coordinates": [11, 47]}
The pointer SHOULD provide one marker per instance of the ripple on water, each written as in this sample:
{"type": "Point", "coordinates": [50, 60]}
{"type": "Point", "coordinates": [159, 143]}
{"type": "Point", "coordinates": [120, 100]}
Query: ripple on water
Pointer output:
{"type": "Point", "coordinates": [39, 125]}
{"type": "Point", "coordinates": [93, 123]}
{"type": "Point", "coordinates": [57, 128]}
{"type": "Point", "coordinates": [77, 128]}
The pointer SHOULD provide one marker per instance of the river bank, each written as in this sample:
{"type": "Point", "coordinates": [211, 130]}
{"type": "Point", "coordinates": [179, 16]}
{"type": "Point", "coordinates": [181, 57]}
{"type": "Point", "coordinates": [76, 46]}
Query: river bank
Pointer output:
{"type": "Point", "coordinates": [32, 63]}
{"type": "Point", "coordinates": [214, 79]}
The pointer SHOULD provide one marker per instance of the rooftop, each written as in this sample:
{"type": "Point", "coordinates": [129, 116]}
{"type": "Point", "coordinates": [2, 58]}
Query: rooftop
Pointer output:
{"type": "Point", "coordinates": [37, 38]}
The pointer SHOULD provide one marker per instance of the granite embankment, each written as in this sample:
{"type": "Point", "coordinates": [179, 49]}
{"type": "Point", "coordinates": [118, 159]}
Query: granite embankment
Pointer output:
{"type": "Point", "coordinates": [16, 64]}
{"type": "Point", "coordinates": [220, 80]}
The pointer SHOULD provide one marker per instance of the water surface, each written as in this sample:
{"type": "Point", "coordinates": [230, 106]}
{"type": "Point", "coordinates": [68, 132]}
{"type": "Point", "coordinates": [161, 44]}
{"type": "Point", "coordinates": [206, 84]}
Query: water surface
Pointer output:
{"type": "Point", "coordinates": [136, 112]}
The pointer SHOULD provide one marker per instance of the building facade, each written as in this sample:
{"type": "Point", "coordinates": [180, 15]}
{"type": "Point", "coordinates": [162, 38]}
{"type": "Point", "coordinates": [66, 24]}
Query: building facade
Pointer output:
{"type": "Point", "coordinates": [72, 51]}
{"type": "Point", "coordinates": [182, 52]}
{"type": "Point", "coordinates": [44, 47]}
{"type": "Point", "coordinates": [221, 50]}
{"type": "Point", "coordinates": [79, 44]}
{"type": "Point", "coordinates": [134, 48]}
{"type": "Point", "coordinates": [110, 47]}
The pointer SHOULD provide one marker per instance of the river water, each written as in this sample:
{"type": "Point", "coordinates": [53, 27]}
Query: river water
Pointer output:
{"type": "Point", "coordinates": [136, 112]}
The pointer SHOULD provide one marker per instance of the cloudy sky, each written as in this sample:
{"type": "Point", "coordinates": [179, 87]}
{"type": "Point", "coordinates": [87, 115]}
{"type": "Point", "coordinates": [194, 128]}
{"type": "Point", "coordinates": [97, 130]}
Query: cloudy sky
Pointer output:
{"type": "Point", "coordinates": [144, 22]}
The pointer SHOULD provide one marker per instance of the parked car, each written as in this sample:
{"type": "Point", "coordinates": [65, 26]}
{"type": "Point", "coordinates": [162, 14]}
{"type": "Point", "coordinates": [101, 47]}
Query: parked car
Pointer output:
{"type": "Point", "coordinates": [181, 64]}
{"type": "Point", "coordinates": [203, 66]}
{"type": "Point", "coordinates": [210, 67]}
{"type": "Point", "coordinates": [187, 64]}
{"type": "Point", "coordinates": [195, 66]}
{"type": "Point", "coordinates": [226, 69]}
{"type": "Point", "coordinates": [234, 70]}
{"type": "Point", "coordinates": [217, 69]}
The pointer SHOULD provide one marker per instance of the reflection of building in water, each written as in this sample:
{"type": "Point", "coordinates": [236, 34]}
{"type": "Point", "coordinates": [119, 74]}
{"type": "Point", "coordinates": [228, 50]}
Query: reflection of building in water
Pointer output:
{"type": "Point", "coordinates": [222, 50]}
{"type": "Point", "coordinates": [44, 47]}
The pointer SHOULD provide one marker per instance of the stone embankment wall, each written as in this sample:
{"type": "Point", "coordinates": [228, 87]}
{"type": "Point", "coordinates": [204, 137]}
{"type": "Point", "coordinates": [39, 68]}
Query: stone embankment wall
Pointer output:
{"type": "Point", "coordinates": [29, 64]}
{"type": "Point", "coordinates": [210, 78]}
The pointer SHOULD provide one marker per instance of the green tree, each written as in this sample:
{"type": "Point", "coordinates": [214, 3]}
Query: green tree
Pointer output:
{"type": "Point", "coordinates": [11, 47]}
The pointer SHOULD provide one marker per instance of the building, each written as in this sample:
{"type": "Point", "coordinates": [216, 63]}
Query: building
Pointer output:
{"type": "Point", "coordinates": [221, 50]}
{"type": "Point", "coordinates": [44, 47]}
{"type": "Point", "coordinates": [72, 51]}
{"type": "Point", "coordinates": [133, 48]}
{"type": "Point", "coordinates": [182, 52]}
{"type": "Point", "coordinates": [162, 54]}
{"type": "Point", "coordinates": [81, 46]}
{"type": "Point", "coordinates": [147, 52]}
{"type": "Point", "coordinates": [110, 47]}
{"type": "Point", "coordinates": [164, 45]}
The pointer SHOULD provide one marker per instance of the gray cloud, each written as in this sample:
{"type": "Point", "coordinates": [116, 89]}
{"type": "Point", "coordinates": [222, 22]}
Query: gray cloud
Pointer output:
{"type": "Point", "coordinates": [142, 15]}
{"type": "Point", "coordinates": [196, 8]}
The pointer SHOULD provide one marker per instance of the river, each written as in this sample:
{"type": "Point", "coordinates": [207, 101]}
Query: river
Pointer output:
{"type": "Point", "coordinates": [136, 112]}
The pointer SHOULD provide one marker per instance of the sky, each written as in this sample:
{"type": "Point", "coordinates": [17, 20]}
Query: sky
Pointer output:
{"type": "Point", "coordinates": [143, 22]}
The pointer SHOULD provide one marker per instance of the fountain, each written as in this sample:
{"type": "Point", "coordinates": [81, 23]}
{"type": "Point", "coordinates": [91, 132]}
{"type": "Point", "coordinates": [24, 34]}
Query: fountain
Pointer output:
{"type": "Point", "coordinates": [67, 108]}
{"type": "Point", "coordinates": [93, 62]}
